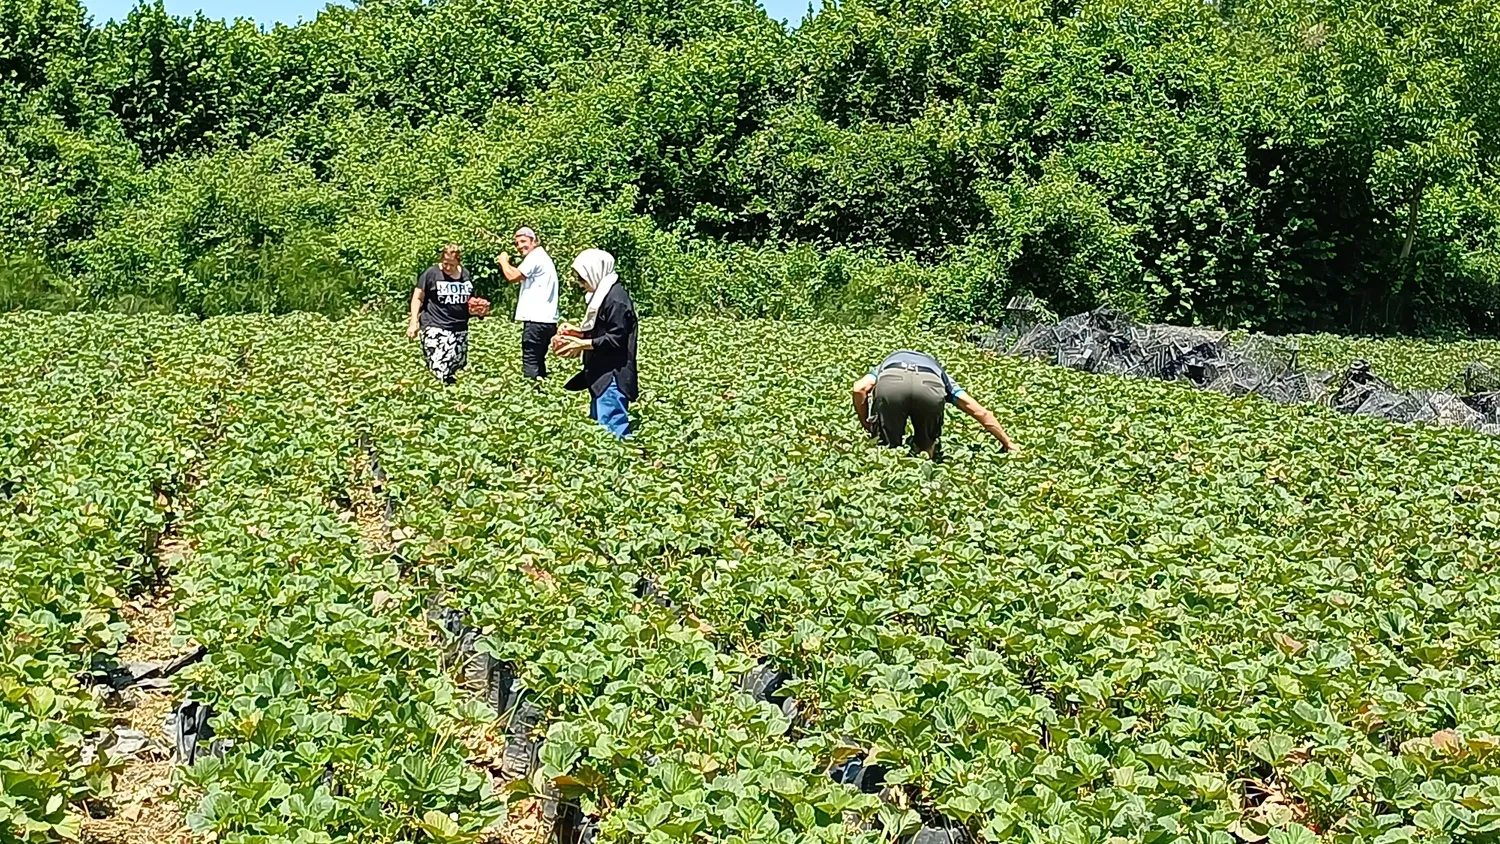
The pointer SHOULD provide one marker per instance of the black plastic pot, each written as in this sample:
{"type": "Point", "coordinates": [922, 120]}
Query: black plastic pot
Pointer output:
{"type": "Point", "coordinates": [494, 680]}
{"type": "Point", "coordinates": [451, 620]}
{"type": "Point", "coordinates": [501, 691]}
{"type": "Point", "coordinates": [867, 778]}
{"type": "Point", "coordinates": [566, 822]}
{"type": "Point", "coordinates": [192, 734]}
{"type": "Point", "coordinates": [522, 753]}
{"type": "Point", "coordinates": [646, 589]}
{"type": "Point", "coordinates": [940, 835]}
{"type": "Point", "coordinates": [330, 781]}
{"type": "Point", "coordinates": [763, 682]}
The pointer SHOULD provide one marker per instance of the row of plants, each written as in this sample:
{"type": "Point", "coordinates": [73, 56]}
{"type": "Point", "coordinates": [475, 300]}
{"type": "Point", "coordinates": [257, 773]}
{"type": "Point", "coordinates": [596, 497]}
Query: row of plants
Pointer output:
{"type": "Point", "coordinates": [1175, 616]}
{"type": "Point", "coordinates": [337, 717]}
{"type": "Point", "coordinates": [646, 723]}
{"type": "Point", "coordinates": [98, 418]}
{"type": "Point", "coordinates": [1194, 616]}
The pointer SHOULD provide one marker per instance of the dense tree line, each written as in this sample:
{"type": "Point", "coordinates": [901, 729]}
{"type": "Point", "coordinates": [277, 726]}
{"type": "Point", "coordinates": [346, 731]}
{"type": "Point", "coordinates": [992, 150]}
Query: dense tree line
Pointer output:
{"type": "Point", "coordinates": [1271, 163]}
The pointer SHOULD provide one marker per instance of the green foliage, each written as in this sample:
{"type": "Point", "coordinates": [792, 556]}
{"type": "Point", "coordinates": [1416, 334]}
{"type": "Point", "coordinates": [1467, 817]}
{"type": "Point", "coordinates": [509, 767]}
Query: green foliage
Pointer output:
{"type": "Point", "coordinates": [1278, 164]}
{"type": "Point", "coordinates": [1176, 615]}
{"type": "Point", "coordinates": [44, 58]}
{"type": "Point", "coordinates": [59, 182]}
{"type": "Point", "coordinates": [238, 231]}
{"type": "Point", "coordinates": [96, 433]}
{"type": "Point", "coordinates": [1407, 362]}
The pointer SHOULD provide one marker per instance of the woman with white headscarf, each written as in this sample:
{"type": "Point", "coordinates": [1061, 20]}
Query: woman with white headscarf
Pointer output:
{"type": "Point", "coordinates": [606, 338]}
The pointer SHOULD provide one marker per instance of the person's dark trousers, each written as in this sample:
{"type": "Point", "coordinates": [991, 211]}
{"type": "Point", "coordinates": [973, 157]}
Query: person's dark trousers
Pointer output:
{"type": "Point", "coordinates": [536, 337]}
{"type": "Point", "coordinates": [908, 394]}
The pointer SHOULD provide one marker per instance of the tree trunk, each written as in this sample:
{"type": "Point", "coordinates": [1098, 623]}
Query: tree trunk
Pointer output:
{"type": "Point", "coordinates": [1411, 218]}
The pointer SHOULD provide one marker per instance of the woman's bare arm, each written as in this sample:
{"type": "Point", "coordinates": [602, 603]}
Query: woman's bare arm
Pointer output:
{"type": "Point", "coordinates": [412, 321]}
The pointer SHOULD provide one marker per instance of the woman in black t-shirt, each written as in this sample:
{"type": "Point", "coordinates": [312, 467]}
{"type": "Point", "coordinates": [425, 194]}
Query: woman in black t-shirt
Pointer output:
{"type": "Point", "coordinates": [440, 314]}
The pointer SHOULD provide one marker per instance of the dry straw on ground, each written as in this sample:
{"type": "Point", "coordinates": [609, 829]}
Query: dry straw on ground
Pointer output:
{"type": "Point", "coordinates": [144, 809]}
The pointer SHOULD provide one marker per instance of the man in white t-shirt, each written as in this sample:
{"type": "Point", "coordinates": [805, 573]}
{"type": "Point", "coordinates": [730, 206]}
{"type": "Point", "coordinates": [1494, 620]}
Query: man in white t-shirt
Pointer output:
{"type": "Point", "coordinates": [536, 307]}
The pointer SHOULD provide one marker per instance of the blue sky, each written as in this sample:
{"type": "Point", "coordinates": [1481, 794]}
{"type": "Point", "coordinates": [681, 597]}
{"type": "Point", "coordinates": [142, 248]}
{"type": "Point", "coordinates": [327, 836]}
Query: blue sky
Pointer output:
{"type": "Point", "coordinates": [268, 12]}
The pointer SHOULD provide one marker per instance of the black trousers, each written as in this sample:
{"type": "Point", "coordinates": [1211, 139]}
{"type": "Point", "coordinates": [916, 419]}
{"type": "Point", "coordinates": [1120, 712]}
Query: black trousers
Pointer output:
{"type": "Point", "coordinates": [536, 337]}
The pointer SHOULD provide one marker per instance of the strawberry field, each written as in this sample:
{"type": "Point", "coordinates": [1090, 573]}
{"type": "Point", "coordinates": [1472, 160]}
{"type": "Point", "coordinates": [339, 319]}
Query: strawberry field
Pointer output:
{"type": "Point", "coordinates": [467, 614]}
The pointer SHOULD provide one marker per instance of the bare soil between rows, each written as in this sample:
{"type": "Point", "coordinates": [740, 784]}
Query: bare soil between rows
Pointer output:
{"type": "Point", "coordinates": [144, 808]}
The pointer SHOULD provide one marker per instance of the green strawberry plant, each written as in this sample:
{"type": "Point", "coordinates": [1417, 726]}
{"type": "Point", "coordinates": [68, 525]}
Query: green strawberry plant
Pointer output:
{"type": "Point", "coordinates": [96, 440]}
{"type": "Point", "coordinates": [1175, 617]}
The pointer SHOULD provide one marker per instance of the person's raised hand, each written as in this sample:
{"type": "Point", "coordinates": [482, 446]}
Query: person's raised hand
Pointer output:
{"type": "Point", "coordinates": [503, 258]}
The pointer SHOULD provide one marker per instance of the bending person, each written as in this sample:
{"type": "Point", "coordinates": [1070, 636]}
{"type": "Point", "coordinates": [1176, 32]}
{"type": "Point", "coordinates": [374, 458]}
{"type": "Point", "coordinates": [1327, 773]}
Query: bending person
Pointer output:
{"type": "Point", "coordinates": [606, 338]}
{"type": "Point", "coordinates": [911, 386]}
{"type": "Point", "coordinates": [440, 313]}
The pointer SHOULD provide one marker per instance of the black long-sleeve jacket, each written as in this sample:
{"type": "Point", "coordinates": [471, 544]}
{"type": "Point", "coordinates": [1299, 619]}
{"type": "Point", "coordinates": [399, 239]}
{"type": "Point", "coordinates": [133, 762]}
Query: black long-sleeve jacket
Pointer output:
{"type": "Point", "coordinates": [613, 355]}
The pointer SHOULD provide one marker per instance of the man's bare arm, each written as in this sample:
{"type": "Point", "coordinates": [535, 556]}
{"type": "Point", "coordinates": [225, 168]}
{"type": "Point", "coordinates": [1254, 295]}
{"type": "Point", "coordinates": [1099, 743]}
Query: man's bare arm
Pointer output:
{"type": "Point", "coordinates": [861, 396]}
{"type": "Point", "coordinates": [983, 416]}
{"type": "Point", "coordinates": [512, 274]}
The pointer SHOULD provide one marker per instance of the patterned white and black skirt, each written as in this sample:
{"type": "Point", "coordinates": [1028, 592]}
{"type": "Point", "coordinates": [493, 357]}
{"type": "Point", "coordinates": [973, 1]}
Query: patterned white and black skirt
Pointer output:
{"type": "Point", "coordinates": [446, 352]}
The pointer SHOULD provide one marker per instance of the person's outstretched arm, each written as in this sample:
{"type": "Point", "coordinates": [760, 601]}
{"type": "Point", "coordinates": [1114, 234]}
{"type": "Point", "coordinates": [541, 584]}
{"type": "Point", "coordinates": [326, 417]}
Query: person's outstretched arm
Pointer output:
{"type": "Point", "coordinates": [983, 416]}
{"type": "Point", "coordinates": [412, 322]}
{"type": "Point", "coordinates": [861, 396]}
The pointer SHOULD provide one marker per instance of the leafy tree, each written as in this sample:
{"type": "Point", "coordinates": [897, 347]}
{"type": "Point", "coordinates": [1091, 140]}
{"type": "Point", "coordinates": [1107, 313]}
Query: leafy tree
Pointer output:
{"type": "Point", "coordinates": [1274, 163]}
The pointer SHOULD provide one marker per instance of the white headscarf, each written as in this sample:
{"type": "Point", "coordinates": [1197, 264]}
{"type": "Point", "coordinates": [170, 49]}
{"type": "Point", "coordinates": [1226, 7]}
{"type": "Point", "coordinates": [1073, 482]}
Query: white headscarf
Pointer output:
{"type": "Point", "coordinates": [596, 267]}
